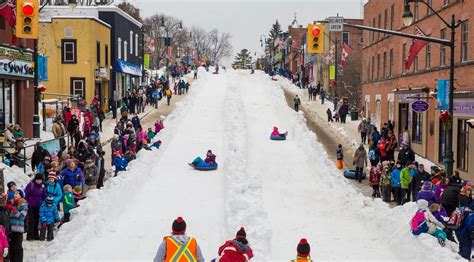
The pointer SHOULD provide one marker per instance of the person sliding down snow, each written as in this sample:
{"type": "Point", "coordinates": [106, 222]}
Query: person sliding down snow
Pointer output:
{"type": "Point", "coordinates": [424, 222]}
{"type": "Point", "coordinates": [210, 159]}
{"type": "Point", "coordinates": [303, 249]}
{"type": "Point", "coordinates": [277, 133]}
{"type": "Point", "coordinates": [179, 246]}
{"type": "Point", "coordinates": [236, 250]}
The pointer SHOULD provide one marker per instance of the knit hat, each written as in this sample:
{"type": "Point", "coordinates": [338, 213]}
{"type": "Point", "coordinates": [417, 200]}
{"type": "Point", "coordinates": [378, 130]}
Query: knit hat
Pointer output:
{"type": "Point", "coordinates": [52, 175]}
{"type": "Point", "coordinates": [179, 226]}
{"type": "Point", "coordinates": [47, 158]}
{"type": "Point", "coordinates": [426, 185]}
{"type": "Point", "coordinates": [49, 200]}
{"type": "Point", "coordinates": [241, 236]}
{"type": "Point", "coordinates": [3, 199]}
{"type": "Point", "coordinates": [78, 189]}
{"type": "Point", "coordinates": [303, 248]}
{"type": "Point", "coordinates": [39, 176]}
{"type": "Point", "coordinates": [10, 184]}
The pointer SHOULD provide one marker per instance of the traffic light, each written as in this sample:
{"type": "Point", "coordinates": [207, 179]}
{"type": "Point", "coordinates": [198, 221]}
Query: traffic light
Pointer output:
{"type": "Point", "coordinates": [27, 19]}
{"type": "Point", "coordinates": [315, 38]}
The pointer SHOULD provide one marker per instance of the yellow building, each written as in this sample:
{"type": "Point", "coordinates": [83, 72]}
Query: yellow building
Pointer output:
{"type": "Point", "coordinates": [78, 55]}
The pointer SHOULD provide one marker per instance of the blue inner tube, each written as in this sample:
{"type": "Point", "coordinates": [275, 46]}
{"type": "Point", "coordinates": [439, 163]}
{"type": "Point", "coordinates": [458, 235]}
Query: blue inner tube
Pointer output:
{"type": "Point", "coordinates": [277, 138]}
{"type": "Point", "coordinates": [351, 174]}
{"type": "Point", "coordinates": [205, 166]}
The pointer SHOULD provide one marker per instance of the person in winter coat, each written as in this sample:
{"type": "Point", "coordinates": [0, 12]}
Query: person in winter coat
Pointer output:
{"type": "Point", "coordinates": [59, 130]}
{"type": "Point", "coordinates": [3, 243]}
{"type": "Point", "coordinates": [48, 216]}
{"type": "Point", "coordinates": [35, 193]}
{"type": "Point", "coordinates": [465, 196]}
{"type": "Point", "coordinates": [159, 126]}
{"type": "Point", "coordinates": [38, 155]}
{"type": "Point", "coordinates": [405, 180]}
{"type": "Point", "coordinates": [385, 184]}
{"type": "Point", "coordinates": [329, 114]}
{"type": "Point", "coordinates": [237, 250]}
{"type": "Point", "coordinates": [339, 157]}
{"type": "Point", "coordinates": [374, 179]}
{"type": "Point", "coordinates": [391, 146]}
{"type": "Point", "coordinates": [382, 147]}
{"type": "Point", "coordinates": [406, 137]}
{"type": "Point", "coordinates": [68, 203]}
{"type": "Point", "coordinates": [91, 175]}
{"type": "Point", "coordinates": [136, 121]}
{"type": "Point", "coordinates": [120, 162]}
{"type": "Point", "coordinates": [360, 161]}
{"type": "Point", "coordinates": [465, 235]}
{"type": "Point", "coordinates": [168, 95]}
{"type": "Point", "coordinates": [53, 188]}
{"type": "Point", "coordinates": [303, 251]}
{"type": "Point", "coordinates": [396, 186]}
{"type": "Point", "coordinates": [449, 199]}
{"type": "Point", "coordinates": [406, 154]}
{"type": "Point", "coordinates": [435, 227]}
{"type": "Point", "coordinates": [374, 155]}
{"type": "Point", "coordinates": [426, 193]}
{"type": "Point", "coordinates": [363, 128]}
{"type": "Point", "coordinates": [72, 175]}
{"type": "Point", "coordinates": [375, 136]}
{"type": "Point", "coordinates": [440, 187]}
{"type": "Point", "coordinates": [9, 141]}
{"type": "Point", "coordinates": [418, 179]}
{"type": "Point", "coordinates": [296, 102]}
{"type": "Point", "coordinates": [17, 222]}
{"type": "Point", "coordinates": [275, 132]}
{"type": "Point", "coordinates": [171, 245]}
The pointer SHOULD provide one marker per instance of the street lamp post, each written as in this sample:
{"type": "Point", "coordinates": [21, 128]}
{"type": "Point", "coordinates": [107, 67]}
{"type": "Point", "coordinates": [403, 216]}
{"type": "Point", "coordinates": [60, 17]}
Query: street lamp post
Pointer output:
{"type": "Point", "coordinates": [336, 43]}
{"type": "Point", "coordinates": [167, 29]}
{"type": "Point", "coordinates": [408, 20]}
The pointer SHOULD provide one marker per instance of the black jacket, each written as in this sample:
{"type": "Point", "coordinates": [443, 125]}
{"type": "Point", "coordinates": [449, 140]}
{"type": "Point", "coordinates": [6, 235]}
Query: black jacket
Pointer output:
{"type": "Point", "coordinates": [450, 195]}
{"type": "Point", "coordinates": [406, 154]}
{"type": "Point", "coordinates": [418, 179]}
{"type": "Point", "coordinates": [38, 157]}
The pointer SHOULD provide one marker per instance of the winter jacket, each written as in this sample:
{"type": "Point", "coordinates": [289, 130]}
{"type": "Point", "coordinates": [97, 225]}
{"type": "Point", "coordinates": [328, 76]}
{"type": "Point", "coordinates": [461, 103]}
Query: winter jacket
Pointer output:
{"type": "Point", "coordinates": [48, 214]}
{"type": "Point", "coordinates": [141, 136]}
{"type": "Point", "coordinates": [438, 192]}
{"type": "Point", "coordinates": [464, 201]}
{"type": "Point", "coordinates": [180, 239]}
{"type": "Point", "coordinates": [406, 138]}
{"type": "Point", "coordinates": [339, 154]}
{"type": "Point", "coordinates": [406, 154]}
{"type": "Point", "coordinates": [120, 163]}
{"type": "Point", "coordinates": [427, 195]}
{"type": "Point", "coordinates": [418, 179]}
{"type": "Point", "coordinates": [35, 194]}
{"type": "Point", "coordinates": [360, 157]}
{"type": "Point", "coordinates": [135, 121]}
{"type": "Point", "coordinates": [73, 178]}
{"type": "Point", "coordinates": [450, 195]}
{"type": "Point", "coordinates": [211, 159]}
{"type": "Point", "coordinates": [376, 137]}
{"type": "Point", "coordinates": [158, 127]}
{"type": "Point", "coordinates": [54, 190]}
{"type": "Point", "coordinates": [17, 217]}
{"type": "Point", "coordinates": [58, 129]}
{"type": "Point", "coordinates": [432, 222]}
{"type": "Point", "coordinates": [91, 175]}
{"type": "Point", "coordinates": [297, 101]}
{"type": "Point", "coordinates": [3, 239]}
{"type": "Point", "coordinates": [382, 148]}
{"type": "Point", "coordinates": [68, 202]}
{"type": "Point", "coordinates": [385, 179]}
{"type": "Point", "coordinates": [72, 125]}
{"type": "Point", "coordinates": [38, 156]}
{"type": "Point", "coordinates": [405, 178]}
{"type": "Point", "coordinates": [374, 178]}
{"type": "Point", "coordinates": [234, 251]}
{"type": "Point", "coordinates": [392, 143]}
{"type": "Point", "coordinates": [5, 220]}
{"type": "Point", "coordinates": [275, 133]}
{"type": "Point", "coordinates": [395, 177]}
{"type": "Point", "coordinates": [343, 110]}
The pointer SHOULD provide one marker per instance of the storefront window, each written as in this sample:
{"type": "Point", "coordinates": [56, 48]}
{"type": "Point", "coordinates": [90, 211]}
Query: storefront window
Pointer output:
{"type": "Point", "coordinates": [417, 127]}
{"type": "Point", "coordinates": [463, 144]}
{"type": "Point", "coordinates": [5, 103]}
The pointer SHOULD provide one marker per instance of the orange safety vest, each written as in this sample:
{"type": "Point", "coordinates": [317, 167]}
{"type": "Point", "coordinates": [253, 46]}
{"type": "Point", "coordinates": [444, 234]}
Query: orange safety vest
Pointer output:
{"type": "Point", "coordinates": [175, 252]}
{"type": "Point", "coordinates": [301, 259]}
{"type": "Point", "coordinates": [168, 92]}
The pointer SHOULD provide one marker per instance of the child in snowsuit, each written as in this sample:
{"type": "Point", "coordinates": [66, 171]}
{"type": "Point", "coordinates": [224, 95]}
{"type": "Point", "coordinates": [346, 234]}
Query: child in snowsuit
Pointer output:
{"type": "Point", "coordinates": [3, 243]}
{"type": "Point", "coordinates": [150, 135]}
{"type": "Point", "coordinates": [277, 133]}
{"type": "Point", "coordinates": [236, 250]}
{"type": "Point", "coordinates": [434, 227]}
{"type": "Point", "coordinates": [329, 113]}
{"type": "Point", "coordinates": [339, 156]}
{"type": "Point", "coordinates": [17, 223]}
{"type": "Point", "coordinates": [374, 180]}
{"type": "Point", "coordinates": [48, 216]}
{"type": "Point", "coordinates": [210, 159]}
{"type": "Point", "coordinates": [120, 162]}
{"type": "Point", "coordinates": [68, 203]}
{"type": "Point", "coordinates": [302, 251]}
{"type": "Point", "coordinates": [385, 184]}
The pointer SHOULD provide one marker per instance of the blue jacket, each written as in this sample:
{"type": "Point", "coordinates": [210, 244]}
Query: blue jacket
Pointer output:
{"type": "Point", "coordinates": [120, 163]}
{"type": "Point", "coordinates": [376, 137]}
{"type": "Point", "coordinates": [48, 214]}
{"type": "Point", "coordinates": [54, 190]}
{"type": "Point", "coordinates": [396, 177]}
{"type": "Point", "coordinates": [135, 121]}
{"type": "Point", "coordinates": [73, 178]}
{"type": "Point", "coordinates": [17, 218]}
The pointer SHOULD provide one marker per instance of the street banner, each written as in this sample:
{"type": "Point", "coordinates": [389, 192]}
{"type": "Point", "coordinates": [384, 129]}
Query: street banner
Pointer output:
{"type": "Point", "coordinates": [332, 72]}
{"type": "Point", "coordinates": [42, 68]}
{"type": "Point", "coordinates": [146, 61]}
{"type": "Point", "coordinates": [346, 50]}
{"type": "Point", "coordinates": [443, 91]}
{"type": "Point", "coordinates": [415, 48]}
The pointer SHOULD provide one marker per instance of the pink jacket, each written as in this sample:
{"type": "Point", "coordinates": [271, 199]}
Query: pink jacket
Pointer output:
{"type": "Point", "coordinates": [275, 132]}
{"type": "Point", "coordinates": [141, 136]}
{"type": "Point", "coordinates": [3, 238]}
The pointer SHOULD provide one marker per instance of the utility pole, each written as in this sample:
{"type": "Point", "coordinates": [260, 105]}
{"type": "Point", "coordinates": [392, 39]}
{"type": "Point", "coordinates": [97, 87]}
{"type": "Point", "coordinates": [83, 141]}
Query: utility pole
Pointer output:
{"type": "Point", "coordinates": [335, 73]}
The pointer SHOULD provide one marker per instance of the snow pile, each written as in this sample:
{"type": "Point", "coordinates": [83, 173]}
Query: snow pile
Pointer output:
{"type": "Point", "coordinates": [14, 174]}
{"type": "Point", "coordinates": [390, 225]}
{"type": "Point", "coordinates": [243, 199]}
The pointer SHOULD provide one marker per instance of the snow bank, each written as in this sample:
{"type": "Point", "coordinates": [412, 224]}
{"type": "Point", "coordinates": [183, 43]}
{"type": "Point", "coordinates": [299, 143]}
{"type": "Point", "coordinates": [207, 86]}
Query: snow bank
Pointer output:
{"type": "Point", "coordinates": [390, 225]}
{"type": "Point", "coordinates": [14, 174]}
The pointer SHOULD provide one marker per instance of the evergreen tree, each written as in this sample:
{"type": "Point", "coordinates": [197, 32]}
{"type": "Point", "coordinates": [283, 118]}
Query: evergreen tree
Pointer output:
{"type": "Point", "coordinates": [274, 33]}
{"type": "Point", "coordinates": [242, 60]}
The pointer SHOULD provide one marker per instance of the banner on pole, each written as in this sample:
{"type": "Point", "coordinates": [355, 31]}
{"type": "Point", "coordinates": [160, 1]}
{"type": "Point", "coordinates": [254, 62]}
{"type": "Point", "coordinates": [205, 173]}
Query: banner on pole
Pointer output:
{"type": "Point", "coordinates": [332, 72]}
{"type": "Point", "coordinates": [443, 95]}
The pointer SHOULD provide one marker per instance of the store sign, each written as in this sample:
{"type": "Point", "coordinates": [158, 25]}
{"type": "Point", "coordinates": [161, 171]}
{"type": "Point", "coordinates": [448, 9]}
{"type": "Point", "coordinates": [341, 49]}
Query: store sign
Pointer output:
{"type": "Point", "coordinates": [16, 63]}
{"type": "Point", "coordinates": [464, 107]}
{"type": "Point", "coordinates": [420, 106]}
{"type": "Point", "coordinates": [336, 24]}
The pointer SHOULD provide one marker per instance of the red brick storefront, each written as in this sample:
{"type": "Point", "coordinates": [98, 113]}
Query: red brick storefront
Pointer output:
{"type": "Point", "coordinates": [389, 89]}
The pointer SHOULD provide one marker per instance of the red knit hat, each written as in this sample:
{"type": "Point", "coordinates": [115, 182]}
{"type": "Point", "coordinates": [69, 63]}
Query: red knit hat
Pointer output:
{"type": "Point", "coordinates": [241, 234]}
{"type": "Point", "coordinates": [303, 248]}
{"type": "Point", "coordinates": [179, 226]}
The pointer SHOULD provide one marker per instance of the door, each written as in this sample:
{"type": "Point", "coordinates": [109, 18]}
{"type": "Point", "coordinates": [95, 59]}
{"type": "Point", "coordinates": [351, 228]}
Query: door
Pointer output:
{"type": "Point", "coordinates": [98, 91]}
{"type": "Point", "coordinates": [402, 117]}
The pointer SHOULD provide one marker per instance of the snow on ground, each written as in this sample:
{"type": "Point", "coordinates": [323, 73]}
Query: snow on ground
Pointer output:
{"type": "Point", "coordinates": [280, 191]}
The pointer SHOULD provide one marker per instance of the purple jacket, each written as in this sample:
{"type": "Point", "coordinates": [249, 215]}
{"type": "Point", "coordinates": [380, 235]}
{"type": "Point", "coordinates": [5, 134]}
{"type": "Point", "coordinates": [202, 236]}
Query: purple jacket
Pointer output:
{"type": "Point", "coordinates": [439, 189]}
{"type": "Point", "coordinates": [35, 194]}
{"type": "Point", "coordinates": [426, 195]}
{"type": "Point", "coordinates": [441, 215]}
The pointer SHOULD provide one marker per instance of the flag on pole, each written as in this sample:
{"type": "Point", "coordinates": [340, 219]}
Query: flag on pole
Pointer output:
{"type": "Point", "coordinates": [415, 48]}
{"type": "Point", "coordinates": [346, 50]}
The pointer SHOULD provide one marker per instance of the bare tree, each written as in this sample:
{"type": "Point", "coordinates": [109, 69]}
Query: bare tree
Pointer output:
{"type": "Point", "coordinates": [131, 10]}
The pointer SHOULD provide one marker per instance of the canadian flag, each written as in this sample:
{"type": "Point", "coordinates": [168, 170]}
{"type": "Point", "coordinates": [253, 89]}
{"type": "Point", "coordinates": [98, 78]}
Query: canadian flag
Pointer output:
{"type": "Point", "coordinates": [346, 50]}
{"type": "Point", "coordinates": [415, 48]}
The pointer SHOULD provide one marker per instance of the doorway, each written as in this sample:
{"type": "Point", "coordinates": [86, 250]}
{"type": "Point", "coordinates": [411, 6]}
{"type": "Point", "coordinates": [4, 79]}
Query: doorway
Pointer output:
{"type": "Point", "coordinates": [402, 117]}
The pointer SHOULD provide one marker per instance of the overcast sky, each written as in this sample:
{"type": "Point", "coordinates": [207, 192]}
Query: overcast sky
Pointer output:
{"type": "Point", "coordinates": [247, 20]}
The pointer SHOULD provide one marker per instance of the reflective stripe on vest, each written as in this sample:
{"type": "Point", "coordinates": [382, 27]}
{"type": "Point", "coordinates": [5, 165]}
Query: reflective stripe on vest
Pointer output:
{"type": "Point", "coordinates": [176, 252]}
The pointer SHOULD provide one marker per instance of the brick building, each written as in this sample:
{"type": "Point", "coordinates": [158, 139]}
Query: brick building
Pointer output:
{"type": "Point", "coordinates": [349, 82]}
{"type": "Point", "coordinates": [389, 89]}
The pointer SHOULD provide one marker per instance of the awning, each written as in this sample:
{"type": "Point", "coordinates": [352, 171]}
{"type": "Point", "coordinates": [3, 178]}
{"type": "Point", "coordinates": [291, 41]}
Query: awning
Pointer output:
{"type": "Point", "coordinates": [127, 68]}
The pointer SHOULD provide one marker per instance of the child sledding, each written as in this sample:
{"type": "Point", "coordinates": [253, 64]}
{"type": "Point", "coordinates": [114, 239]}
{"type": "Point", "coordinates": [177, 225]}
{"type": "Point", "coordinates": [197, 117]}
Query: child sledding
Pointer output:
{"type": "Point", "coordinates": [276, 135]}
{"type": "Point", "coordinates": [207, 164]}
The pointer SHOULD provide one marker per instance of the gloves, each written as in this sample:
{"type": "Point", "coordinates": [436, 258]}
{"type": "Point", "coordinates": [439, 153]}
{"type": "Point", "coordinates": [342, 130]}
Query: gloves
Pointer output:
{"type": "Point", "coordinates": [10, 208]}
{"type": "Point", "coordinates": [43, 226]}
{"type": "Point", "coordinates": [5, 252]}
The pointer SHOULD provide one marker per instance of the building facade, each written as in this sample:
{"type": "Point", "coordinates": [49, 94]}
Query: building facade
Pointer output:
{"type": "Point", "coordinates": [127, 51]}
{"type": "Point", "coordinates": [78, 52]}
{"type": "Point", "coordinates": [17, 91]}
{"type": "Point", "coordinates": [389, 89]}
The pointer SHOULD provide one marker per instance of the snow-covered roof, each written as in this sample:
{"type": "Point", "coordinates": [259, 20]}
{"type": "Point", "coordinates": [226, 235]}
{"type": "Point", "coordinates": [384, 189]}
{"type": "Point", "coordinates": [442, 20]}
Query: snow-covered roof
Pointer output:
{"type": "Point", "coordinates": [77, 17]}
{"type": "Point", "coordinates": [82, 11]}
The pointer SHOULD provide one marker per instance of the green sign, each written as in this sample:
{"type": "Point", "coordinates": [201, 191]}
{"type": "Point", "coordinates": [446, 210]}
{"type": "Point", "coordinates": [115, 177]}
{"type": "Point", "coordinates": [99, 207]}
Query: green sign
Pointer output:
{"type": "Point", "coordinates": [332, 72]}
{"type": "Point", "coordinates": [16, 63]}
{"type": "Point", "coordinates": [146, 61]}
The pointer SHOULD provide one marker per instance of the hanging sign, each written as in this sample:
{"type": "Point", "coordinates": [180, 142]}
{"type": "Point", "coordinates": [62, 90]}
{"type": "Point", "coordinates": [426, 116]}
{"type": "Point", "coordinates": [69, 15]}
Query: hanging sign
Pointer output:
{"type": "Point", "coordinates": [443, 91]}
{"type": "Point", "coordinates": [420, 106]}
{"type": "Point", "coordinates": [16, 63]}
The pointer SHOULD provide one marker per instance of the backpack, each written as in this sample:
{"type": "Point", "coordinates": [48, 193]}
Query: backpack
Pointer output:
{"type": "Point", "coordinates": [418, 223]}
{"type": "Point", "coordinates": [456, 219]}
{"type": "Point", "coordinates": [372, 155]}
